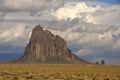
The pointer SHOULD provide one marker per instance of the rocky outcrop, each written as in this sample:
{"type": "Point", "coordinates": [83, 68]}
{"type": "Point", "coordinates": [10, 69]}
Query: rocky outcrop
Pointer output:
{"type": "Point", "coordinates": [44, 47]}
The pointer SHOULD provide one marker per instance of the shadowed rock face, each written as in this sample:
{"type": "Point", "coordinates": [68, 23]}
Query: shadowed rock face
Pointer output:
{"type": "Point", "coordinates": [44, 47]}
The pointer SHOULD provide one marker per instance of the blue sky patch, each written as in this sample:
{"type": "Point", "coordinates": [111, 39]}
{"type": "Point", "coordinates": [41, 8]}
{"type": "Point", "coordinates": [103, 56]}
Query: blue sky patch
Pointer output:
{"type": "Point", "coordinates": [110, 1]}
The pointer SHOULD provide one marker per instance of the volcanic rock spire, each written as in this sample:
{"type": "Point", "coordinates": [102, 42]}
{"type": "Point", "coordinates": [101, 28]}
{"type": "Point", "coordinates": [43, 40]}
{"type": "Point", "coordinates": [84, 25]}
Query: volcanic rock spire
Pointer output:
{"type": "Point", "coordinates": [44, 47]}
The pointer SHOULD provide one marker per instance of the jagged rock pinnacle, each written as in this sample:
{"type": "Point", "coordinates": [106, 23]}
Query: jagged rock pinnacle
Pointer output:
{"type": "Point", "coordinates": [44, 47]}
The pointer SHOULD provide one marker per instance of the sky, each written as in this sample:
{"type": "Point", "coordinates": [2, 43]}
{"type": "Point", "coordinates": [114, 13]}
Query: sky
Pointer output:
{"type": "Point", "coordinates": [110, 1]}
{"type": "Point", "coordinates": [90, 27]}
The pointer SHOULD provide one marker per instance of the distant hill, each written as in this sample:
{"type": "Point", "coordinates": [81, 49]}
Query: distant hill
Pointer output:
{"type": "Point", "coordinates": [44, 47]}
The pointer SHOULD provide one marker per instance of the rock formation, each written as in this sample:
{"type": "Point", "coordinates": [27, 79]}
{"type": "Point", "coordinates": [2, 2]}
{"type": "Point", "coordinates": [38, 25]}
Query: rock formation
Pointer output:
{"type": "Point", "coordinates": [44, 47]}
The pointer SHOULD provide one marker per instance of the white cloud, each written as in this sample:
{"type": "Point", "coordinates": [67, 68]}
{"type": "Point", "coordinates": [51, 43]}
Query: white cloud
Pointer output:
{"type": "Point", "coordinates": [29, 5]}
{"type": "Point", "coordinates": [73, 10]}
{"type": "Point", "coordinates": [18, 35]}
{"type": "Point", "coordinates": [97, 14]}
{"type": "Point", "coordinates": [110, 16]}
{"type": "Point", "coordinates": [12, 33]}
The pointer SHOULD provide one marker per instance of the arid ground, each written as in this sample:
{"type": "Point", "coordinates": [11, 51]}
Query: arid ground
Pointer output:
{"type": "Point", "coordinates": [58, 72]}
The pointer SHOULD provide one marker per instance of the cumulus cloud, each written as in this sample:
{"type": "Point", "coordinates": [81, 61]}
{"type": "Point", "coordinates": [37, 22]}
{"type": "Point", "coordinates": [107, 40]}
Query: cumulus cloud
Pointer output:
{"type": "Point", "coordinates": [29, 5]}
{"type": "Point", "coordinates": [73, 10]}
{"type": "Point", "coordinates": [109, 15]}
{"type": "Point", "coordinates": [11, 33]}
{"type": "Point", "coordinates": [95, 14]}
{"type": "Point", "coordinates": [18, 35]}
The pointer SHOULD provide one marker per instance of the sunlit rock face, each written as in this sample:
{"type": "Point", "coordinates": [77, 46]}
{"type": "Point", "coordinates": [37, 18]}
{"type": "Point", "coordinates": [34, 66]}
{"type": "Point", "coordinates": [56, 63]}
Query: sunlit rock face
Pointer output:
{"type": "Point", "coordinates": [44, 47]}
